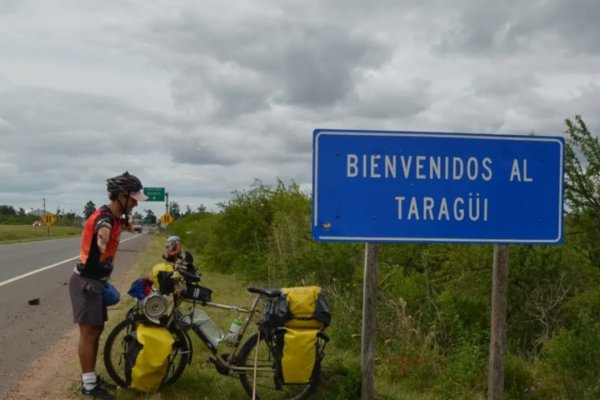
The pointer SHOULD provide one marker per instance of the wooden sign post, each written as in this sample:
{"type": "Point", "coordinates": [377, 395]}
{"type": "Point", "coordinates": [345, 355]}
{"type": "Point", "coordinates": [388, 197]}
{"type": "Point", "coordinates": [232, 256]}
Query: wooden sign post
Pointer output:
{"type": "Point", "coordinates": [369, 312]}
{"type": "Point", "coordinates": [498, 323]}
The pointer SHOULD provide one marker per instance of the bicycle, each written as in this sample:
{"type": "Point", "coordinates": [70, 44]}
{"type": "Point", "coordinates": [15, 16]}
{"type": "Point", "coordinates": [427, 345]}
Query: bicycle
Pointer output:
{"type": "Point", "coordinates": [254, 361]}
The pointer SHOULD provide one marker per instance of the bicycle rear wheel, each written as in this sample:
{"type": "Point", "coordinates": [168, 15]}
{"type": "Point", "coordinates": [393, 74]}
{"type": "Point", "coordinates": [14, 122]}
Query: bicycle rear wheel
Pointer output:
{"type": "Point", "coordinates": [265, 374]}
{"type": "Point", "coordinates": [117, 345]}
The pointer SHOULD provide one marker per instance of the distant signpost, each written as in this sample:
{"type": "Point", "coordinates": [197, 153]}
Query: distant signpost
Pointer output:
{"type": "Point", "coordinates": [166, 218]}
{"type": "Point", "coordinates": [373, 186]}
{"type": "Point", "coordinates": [155, 193]}
{"type": "Point", "coordinates": [48, 219]}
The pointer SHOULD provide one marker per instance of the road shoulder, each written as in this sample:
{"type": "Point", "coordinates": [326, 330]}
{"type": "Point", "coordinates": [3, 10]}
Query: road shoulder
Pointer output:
{"type": "Point", "coordinates": [55, 376]}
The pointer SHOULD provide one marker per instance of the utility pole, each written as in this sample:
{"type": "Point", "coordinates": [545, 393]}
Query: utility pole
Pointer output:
{"type": "Point", "coordinates": [44, 214]}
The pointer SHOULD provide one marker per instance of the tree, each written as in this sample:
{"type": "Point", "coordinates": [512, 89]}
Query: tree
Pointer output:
{"type": "Point", "coordinates": [150, 218]}
{"type": "Point", "coordinates": [89, 209]}
{"type": "Point", "coordinates": [582, 186]}
{"type": "Point", "coordinates": [582, 168]}
{"type": "Point", "coordinates": [7, 210]}
{"type": "Point", "coordinates": [174, 209]}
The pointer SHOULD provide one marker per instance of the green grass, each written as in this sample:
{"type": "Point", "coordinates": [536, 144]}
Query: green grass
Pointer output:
{"type": "Point", "coordinates": [200, 381]}
{"type": "Point", "coordinates": [28, 233]}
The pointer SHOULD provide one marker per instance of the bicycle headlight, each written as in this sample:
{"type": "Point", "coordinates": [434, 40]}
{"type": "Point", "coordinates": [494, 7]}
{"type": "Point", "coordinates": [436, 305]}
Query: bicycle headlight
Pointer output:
{"type": "Point", "coordinates": [155, 306]}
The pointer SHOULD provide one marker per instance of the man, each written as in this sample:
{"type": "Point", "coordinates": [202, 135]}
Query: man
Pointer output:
{"type": "Point", "coordinates": [99, 244]}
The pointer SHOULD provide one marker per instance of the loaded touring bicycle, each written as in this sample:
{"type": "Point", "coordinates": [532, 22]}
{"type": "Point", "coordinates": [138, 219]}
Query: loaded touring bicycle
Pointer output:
{"type": "Point", "coordinates": [275, 349]}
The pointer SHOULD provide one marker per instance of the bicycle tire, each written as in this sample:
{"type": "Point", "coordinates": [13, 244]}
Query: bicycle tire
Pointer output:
{"type": "Point", "coordinates": [115, 350]}
{"type": "Point", "coordinates": [265, 381]}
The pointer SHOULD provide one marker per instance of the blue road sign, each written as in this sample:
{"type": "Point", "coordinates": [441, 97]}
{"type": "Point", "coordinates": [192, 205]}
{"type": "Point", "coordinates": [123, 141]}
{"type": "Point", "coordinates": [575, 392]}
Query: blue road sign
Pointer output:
{"type": "Point", "coordinates": [380, 186]}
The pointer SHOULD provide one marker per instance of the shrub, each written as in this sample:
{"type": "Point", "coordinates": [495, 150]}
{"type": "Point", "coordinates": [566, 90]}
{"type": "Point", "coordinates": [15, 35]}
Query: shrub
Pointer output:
{"type": "Point", "coordinates": [570, 363]}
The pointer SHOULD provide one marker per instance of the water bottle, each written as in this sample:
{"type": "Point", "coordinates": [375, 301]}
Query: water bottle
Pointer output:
{"type": "Point", "coordinates": [234, 331]}
{"type": "Point", "coordinates": [202, 321]}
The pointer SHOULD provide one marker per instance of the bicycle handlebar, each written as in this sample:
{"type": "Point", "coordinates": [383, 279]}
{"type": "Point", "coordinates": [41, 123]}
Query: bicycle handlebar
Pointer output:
{"type": "Point", "coordinates": [187, 275]}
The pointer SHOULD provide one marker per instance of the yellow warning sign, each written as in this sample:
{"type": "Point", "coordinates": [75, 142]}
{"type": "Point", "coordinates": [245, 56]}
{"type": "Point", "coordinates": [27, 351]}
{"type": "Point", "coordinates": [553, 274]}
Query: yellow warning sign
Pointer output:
{"type": "Point", "coordinates": [48, 219]}
{"type": "Point", "coordinates": [166, 218]}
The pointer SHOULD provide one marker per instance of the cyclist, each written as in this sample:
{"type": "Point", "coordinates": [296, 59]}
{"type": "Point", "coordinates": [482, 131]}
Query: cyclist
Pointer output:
{"type": "Point", "coordinates": [99, 243]}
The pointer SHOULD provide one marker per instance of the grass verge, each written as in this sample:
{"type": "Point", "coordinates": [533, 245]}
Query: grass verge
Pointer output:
{"type": "Point", "coordinates": [200, 381]}
{"type": "Point", "coordinates": [341, 376]}
{"type": "Point", "coordinates": [28, 233]}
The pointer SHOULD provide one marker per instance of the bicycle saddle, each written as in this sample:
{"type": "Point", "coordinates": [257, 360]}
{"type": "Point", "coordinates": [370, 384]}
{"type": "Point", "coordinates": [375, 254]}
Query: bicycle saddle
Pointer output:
{"type": "Point", "coordinates": [265, 292]}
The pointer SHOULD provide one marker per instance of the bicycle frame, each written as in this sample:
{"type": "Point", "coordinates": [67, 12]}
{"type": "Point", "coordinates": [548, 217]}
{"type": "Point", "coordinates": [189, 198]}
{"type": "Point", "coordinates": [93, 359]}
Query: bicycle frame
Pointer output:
{"type": "Point", "coordinates": [226, 365]}
{"type": "Point", "coordinates": [254, 358]}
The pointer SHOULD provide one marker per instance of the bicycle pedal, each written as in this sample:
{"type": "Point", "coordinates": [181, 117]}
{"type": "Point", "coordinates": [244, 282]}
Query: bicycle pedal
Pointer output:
{"type": "Point", "coordinates": [222, 369]}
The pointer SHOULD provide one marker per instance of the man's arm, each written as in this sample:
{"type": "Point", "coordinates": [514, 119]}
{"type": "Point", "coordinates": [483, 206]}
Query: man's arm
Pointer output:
{"type": "Point", "coordinates": [103, 229]}
{"type": "Point", "coordinates": [103, 236]}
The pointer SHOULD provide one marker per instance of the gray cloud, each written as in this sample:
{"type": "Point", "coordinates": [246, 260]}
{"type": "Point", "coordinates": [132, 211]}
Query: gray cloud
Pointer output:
{"type": "Point", "coordinates": [204, 97]}
{"type": "Point", "coordinates": [253, 61]}
{"type": "Point", "coordinates": [499, 28]}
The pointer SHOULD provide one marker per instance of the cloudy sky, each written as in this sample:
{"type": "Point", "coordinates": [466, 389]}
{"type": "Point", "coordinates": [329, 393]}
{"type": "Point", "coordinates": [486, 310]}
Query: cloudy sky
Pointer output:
{"type": "Point", "coordinates": [203, 97]}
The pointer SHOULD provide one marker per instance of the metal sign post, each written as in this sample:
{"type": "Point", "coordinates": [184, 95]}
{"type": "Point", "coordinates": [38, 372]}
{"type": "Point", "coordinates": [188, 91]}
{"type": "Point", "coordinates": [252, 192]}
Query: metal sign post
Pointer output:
{"type": "Point", "coordinates": [433, 187]}
{"type": "Point", "coordinates": [167, 213]}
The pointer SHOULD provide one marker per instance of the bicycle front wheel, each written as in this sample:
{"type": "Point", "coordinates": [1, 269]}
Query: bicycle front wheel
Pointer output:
{"type": "Point", "coordinates": [117, 345]}
{"type": "Point", "coordinates": [264, 383]}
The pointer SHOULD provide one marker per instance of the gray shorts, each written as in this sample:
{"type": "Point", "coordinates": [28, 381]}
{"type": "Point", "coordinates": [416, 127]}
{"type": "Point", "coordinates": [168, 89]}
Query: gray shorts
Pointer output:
{"type": "Point", "coordinates": [86, 299]}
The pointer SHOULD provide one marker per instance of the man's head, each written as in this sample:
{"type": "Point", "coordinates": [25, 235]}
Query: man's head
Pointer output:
{"type": "Point", "coordinates": [126, 189]}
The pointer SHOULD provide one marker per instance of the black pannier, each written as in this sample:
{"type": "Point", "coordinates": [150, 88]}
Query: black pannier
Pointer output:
{"type": "Point", "coordinates": [197, 293]}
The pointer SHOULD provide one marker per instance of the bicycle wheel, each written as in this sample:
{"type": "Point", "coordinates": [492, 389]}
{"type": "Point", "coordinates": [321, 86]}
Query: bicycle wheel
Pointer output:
{"type": "Point", "coordinates": [265, 374]}
{"type": "Point", "coordinates": [117, 344]}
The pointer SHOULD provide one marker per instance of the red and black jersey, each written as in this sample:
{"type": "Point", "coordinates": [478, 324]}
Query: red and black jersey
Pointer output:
{"type": "Point", "coordinates": [92, 263]}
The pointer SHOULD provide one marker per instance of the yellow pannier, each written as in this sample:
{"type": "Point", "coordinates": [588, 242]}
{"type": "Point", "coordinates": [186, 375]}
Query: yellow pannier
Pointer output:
{"type": "Point", "coordinates": [303, 312]}
{"type": "Point", "coordinates": [299, 355]}
{"type": "Point", "coordinates": [305, 306]}
{"type": "Point", "coordinates": [149, 360]}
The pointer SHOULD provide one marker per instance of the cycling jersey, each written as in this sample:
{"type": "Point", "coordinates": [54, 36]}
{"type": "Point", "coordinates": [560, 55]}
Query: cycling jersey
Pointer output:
{"type": "Point", "coordinates": [92, 263]}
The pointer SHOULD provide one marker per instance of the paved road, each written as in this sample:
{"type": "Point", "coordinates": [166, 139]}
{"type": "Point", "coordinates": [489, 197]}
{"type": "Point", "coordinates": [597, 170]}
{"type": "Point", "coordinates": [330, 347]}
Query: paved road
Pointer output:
{"type": "Point", "coordinates": [27, 331]}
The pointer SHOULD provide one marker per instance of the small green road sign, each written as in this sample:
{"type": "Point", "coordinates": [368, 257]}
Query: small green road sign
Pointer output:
{"type": "Point", "coordinates": [155, 193]}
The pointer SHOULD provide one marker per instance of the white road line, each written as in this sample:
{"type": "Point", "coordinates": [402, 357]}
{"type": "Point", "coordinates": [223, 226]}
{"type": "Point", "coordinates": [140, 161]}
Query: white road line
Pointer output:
{"type": "Point", "coordinates": [16, 278]}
